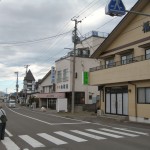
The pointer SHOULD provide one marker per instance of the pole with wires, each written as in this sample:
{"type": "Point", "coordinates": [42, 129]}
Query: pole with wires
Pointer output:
{"type": "Point", "coordinates": [75, 39]}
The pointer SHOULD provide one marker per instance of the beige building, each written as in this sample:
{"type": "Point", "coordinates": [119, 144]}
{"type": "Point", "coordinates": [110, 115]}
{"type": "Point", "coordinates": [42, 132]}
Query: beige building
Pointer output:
{"type": "Point", "coordinates": [84, 94]}
{"type": "Point", "coordinates": [123, 76]}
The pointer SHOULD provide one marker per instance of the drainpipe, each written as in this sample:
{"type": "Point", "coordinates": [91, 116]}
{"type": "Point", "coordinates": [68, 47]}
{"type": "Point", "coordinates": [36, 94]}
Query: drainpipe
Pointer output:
{"type": "Point", "coordinates": [135, 99]}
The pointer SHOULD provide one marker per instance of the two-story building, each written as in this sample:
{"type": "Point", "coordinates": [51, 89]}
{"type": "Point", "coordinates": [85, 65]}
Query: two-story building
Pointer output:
{"type": "Point", "coordinates": [46, 91]}
{"type": "Point", "coordinates": [123, 76]}
{"type": "Point", "coordinates": [84, 94]}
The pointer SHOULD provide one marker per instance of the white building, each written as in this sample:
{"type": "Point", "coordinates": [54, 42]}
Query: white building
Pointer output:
{"type": "Point", "coordinates": [84, 94]}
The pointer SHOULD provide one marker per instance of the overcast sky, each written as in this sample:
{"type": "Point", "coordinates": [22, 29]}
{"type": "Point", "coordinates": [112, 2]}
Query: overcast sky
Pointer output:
{"type": "Point", "coordinates": [29, 29]}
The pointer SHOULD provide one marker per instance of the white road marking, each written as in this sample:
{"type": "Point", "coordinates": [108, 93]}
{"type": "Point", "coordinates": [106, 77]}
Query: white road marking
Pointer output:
{"type": "Point", "coordinates": [104, 133]}
{"type": "Point", "coordinates": [88, 135]}
{"type": "Point", "coordinates": [52, 139]}
{"type": "Point", "coordinates": [119, 132]}
{"type": "Point", "coordinates": [81, 122]}
{"type": "Point", "coordinates": [7, 132]}
{"type": "Point", "coordinates": [69, 136]}
{"type": "Point", "coordinates": [34, 143]}
{"type": "Point", "coordinates": [9, 144]}
{"type": "Point", "coordinates": [142, 133]}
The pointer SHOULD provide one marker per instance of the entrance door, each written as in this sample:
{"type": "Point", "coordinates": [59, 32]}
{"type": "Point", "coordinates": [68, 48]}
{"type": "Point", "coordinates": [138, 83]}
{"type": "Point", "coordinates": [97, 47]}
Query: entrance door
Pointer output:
{"type": "Point", "coordinates": [113, 103]}
{"type": "Point", "coordinates": [116, 101]}
{"type": "Point", "coordinates": [125, 103]}
{"type": "Point", "coordinates": [107, 103]}
{"type": "Point", "coordinates": [119, 103]}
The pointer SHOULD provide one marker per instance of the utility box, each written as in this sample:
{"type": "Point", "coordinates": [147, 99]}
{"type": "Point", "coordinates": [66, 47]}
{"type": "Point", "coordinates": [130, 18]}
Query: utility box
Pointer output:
{"type": "Point", "coordinates": [61, 105]}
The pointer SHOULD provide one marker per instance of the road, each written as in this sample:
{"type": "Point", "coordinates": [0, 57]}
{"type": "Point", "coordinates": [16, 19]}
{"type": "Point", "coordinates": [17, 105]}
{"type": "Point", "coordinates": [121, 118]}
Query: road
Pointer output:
{"type": "Point", "coordinates": [35, 130]}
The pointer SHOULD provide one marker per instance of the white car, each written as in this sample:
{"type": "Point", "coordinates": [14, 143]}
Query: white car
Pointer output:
{"type": "Point", "coordinates": [12, 103]}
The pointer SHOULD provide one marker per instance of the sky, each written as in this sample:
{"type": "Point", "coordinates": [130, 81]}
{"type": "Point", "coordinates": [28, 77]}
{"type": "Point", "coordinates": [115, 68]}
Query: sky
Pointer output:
{"type": "Point", "coordinates": [35, 33]}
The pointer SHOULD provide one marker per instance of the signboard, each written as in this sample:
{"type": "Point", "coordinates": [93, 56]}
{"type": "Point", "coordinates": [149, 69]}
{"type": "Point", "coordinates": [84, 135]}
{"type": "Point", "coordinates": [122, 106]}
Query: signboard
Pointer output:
{"type": "Point", "coordinates": [115, 8]}
{"type": "Point", "coordinates": [85, 78]}
{"type": "Point", "coordinates": [52, 74]}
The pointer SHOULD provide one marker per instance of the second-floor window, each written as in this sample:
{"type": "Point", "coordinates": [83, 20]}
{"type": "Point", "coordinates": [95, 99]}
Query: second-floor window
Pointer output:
{"type": "Point", "coordinates": [109, 63]}
{"type": "Point", "coordinates": [126, 59]}
{"type": "Point", "coordinates": [59, 76]}
{"type": "Point", "coordinates": [148, 54]}
{"type": "Point", "coordinates": [65, 75]}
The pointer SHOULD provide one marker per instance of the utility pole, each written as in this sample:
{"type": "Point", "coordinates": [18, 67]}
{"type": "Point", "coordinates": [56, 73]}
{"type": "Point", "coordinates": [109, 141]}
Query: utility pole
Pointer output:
{"type": "Point", "coordinates": [17, 86]}
{"type": "Point", "coordinates": [75, 39]}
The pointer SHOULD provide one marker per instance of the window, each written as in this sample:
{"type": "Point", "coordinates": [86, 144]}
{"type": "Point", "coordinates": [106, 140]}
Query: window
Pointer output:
{"type": "Point", "coordinates": [148, 54]}
{"type": "Point", "coordinates": [65, 75]}
{"type": "Point", "coordinates": [126, 59]}
{"type": "Point", "coordinates": [109, 63]}
{"type": "Point", "coordinates": [144, 95]}
{"type": "Point", "coordinates": [59, 76]}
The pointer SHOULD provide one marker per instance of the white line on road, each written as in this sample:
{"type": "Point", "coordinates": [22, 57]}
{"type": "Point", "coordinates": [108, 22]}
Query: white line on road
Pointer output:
{"type": "Point", "coordinates": [82, 122]}
{"type": "Point", "coordinates": [105, 133]}
{"type": "Point", "coordinates": [88, 135]}
{"type": "Point", "coordinates": [9, 144]}
{"type": "Point", "coordinates": [34, 143]}
{"type": "Point", "coordinates": [119, 132]}
{"type": "Point", "coordinates": [69, 136]}
{"type": "Point", "coordinates": [8, 133]}
{"type": "Point", "coordinates": [142, 133]}
{"type": "Point", "coordinates": [52, 139]}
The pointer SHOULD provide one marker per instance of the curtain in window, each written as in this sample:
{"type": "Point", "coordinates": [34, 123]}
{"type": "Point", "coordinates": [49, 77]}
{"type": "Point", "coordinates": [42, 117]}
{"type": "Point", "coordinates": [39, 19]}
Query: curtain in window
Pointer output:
{"type": "Point", "coordinates": [141, 95]}
{"type": "Point", "coordinates": [147, 95]}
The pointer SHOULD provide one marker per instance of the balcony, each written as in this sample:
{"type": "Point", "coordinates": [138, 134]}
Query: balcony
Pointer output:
{"type": "Point", "coordinates": [134, 69]}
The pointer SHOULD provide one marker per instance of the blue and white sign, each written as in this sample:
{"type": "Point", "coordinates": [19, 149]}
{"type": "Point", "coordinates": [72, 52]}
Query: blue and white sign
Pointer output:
{"type": "Point", "coordinates": [52, 74]}
{"type": "Point", "coordinates": [115, 8]}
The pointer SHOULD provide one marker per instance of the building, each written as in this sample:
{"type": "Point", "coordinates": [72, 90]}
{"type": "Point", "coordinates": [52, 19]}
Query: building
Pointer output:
{"type": "Point", "coordinates": [84, 94]}
{"type": "Point", "coordinates": [46, 91]}
{"type": "Point", "coordinates": [123, 76]}
{"type": "Point", "coordinates": [28, 85]}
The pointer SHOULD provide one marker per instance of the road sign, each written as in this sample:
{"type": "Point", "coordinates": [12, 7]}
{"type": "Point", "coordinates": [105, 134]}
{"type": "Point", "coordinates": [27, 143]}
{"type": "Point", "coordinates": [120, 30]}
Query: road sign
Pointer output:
{"type": "Point", "coordinates": [115, 8]}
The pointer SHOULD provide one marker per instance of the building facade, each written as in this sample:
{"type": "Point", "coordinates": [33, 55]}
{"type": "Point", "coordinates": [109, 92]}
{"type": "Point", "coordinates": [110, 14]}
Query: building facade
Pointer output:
{"type": "Point", "coordinates": [84, 93]}
{"type": "Point", "coordinates": [123, 76]}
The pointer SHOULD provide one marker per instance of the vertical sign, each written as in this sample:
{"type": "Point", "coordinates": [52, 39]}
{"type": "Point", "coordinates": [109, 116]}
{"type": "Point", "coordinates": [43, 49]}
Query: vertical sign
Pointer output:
{"type": "Point", "coordinates": [52, 74]}
{"type": "Point", "coordinates": [85, 78]}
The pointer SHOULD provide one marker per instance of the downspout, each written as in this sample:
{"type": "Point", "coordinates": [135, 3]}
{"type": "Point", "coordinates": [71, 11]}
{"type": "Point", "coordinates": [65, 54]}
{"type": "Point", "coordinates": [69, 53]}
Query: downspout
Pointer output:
{"type": "Point", "coordinates": [135, 99]}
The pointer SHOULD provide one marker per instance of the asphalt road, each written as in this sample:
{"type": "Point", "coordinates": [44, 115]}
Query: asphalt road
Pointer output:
{"type": "Point", "coordinates": [35, 130]}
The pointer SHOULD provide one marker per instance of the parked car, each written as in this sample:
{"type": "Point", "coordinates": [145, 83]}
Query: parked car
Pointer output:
{"type": "Point", "coordinates": [12, 103]}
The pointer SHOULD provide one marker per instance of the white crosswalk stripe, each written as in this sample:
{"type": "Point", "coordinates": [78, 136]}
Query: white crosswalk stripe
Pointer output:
{"type": "Point", "coordinates": [141, 133]}
{"type": "Point", "coordinates": [105, 133]}
{"type": "Point", "coordinates": [119, 132]}
{"type": "Point", "coordinates": [69, 136]}
{"type": "Point", "coordinates": [34, 143]}
{"type": "Point", "coordinates": [88, 135]}
{"type": "Point", "coordinates": [52, 139]}
{"type": "Point", "coordinates": [9, 144]}
{"type": "Point", "coordinates": [98, 134]}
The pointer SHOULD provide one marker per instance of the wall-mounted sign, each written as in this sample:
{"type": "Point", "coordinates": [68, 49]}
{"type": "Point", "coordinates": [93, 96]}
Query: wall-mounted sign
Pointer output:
{"type": "Point", "coordinates": [115, 8]}
{"type": "Point", "coordinates": [146, 27]}
{"type": "Point", "coordinates": [52, 74]}
{"type": "Point", "coordinates": [85, 78]}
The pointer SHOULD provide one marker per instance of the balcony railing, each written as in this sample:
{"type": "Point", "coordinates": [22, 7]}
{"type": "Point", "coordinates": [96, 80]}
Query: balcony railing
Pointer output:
{"type": "Point", "coordinates": [120, 63]}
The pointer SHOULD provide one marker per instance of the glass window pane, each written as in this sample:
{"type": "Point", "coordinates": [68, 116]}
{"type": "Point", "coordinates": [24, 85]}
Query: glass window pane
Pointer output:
{"type": "Point", "coordinates": [148, 54]}
{"type": "Point", "coordinates": [147, 95]}
{"type": "Point", "coordinates": [141, 95]}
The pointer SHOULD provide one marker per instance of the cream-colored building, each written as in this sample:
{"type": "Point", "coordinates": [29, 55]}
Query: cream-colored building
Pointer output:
{"type": "Point", "coordinates": [123, 76]}
{"type": "Point", "coordinates": [84, 94]}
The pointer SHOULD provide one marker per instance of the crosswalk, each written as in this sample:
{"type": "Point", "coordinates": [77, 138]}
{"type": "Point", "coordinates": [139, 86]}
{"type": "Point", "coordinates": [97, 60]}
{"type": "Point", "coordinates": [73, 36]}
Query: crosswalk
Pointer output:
{"type": "Point", "coordinates": [71, 135]}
